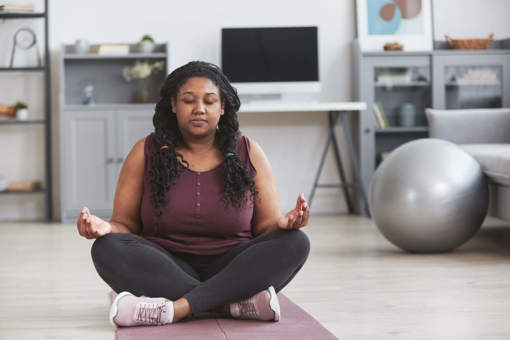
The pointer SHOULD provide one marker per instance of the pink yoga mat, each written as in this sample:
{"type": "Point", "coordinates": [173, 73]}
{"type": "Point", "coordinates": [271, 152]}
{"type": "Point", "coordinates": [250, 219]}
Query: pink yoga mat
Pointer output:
{"type": "Point", "coordinates": [294, 324]}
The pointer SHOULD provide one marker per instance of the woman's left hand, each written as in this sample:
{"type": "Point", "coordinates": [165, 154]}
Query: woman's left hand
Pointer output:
{"type": "Point", "coordinates": [297, 217]}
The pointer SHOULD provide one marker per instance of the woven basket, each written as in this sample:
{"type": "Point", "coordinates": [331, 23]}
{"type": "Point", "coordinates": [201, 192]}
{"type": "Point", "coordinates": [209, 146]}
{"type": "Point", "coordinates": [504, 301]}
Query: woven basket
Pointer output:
{"type": "Point", "coordinates": [469, 44]}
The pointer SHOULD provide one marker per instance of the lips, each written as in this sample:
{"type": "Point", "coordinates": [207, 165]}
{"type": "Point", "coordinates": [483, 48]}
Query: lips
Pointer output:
{"type": "Point", "coordinates": [197, 122]}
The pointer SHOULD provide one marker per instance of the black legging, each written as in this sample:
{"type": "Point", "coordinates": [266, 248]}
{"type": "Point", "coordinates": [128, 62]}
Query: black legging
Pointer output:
{"type": "Point", "coordinates": [128, 262]}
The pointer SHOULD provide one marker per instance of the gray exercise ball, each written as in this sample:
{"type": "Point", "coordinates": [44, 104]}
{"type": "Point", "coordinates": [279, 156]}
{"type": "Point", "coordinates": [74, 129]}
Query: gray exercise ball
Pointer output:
{"type": "Point", "coordinates": [429, 196]}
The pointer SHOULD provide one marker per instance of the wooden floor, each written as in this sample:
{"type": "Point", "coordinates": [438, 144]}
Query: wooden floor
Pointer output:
{"type": "Point", "coordinates": [355, 283]}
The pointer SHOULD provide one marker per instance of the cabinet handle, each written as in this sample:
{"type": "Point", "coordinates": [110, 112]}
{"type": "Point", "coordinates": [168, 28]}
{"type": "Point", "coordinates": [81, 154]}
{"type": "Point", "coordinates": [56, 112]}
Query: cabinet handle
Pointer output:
{"type": "Point", "coordinates": [367, 130]}
{"type": "Point", "coordinates": [109, 160]}
{"type": "Point", "coordinates": [120, 160]}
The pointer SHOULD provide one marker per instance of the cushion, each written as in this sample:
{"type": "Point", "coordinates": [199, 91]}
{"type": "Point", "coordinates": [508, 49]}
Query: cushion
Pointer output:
{"type": "Point", "coordinates": [494, 159]}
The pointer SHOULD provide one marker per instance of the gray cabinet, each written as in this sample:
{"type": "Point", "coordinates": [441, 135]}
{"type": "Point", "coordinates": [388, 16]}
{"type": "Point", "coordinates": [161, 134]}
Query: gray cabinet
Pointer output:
{"type": "Point", "coordinates": [96, 139]}
{"type": "Point", "coordinates": [391, 83]}
{"type": "Point", "coordinates": [403, 84]}
{"type": "Point", "coordinates": [88, 167]}
{"type": "Point", "coordinates": [97, 143]}
{"type": "Point", "coordinates": [463, 81]}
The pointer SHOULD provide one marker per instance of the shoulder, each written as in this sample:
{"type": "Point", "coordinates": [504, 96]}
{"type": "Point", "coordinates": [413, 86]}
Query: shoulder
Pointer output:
{"type": "Point", "coordinates": [137, 153]}
{"type": "Point", "coordinates": [254, 147]}
{"type": "Point", "coordinates": [257, 155]}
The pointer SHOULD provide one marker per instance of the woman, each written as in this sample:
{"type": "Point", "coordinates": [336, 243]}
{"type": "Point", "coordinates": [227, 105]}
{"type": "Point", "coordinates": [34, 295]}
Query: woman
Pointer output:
{"type": "Point", "coordinates": [196, 224]}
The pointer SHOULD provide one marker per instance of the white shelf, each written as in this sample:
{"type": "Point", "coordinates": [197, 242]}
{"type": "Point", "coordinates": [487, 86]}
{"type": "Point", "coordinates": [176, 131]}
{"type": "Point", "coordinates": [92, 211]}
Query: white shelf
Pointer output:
{"type": "Point", "coordinates": [401, 129]}
{"type": "Point", "coordinates": [472, 84]}
{"type": "Point", "coordinates": [407, 84]}
{"type": "Point", "coordinates": [92, 56]}
{"type": "Point", "coordinates": [304, 107]}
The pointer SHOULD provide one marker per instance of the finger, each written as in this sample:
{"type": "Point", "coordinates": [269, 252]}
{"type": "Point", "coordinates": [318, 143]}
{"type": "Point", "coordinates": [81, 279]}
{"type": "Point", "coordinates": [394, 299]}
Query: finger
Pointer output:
{"type": "Point", "coordinates": [81, 224]}
{"type": "Point", "coordinates": [95, 234]}
{"type": "Point", "coordinates": [300, 200]}
{"type": "Point", "coordinates": [304, 204]}
{"type": "Point", "coordinates": [299, 221]}
{"type": "Point", "coordinates": [90, 228]}
{"type": "Point", "coordinates": [292, 220]}
{"type": "Point", "coordinates": [306, 215]}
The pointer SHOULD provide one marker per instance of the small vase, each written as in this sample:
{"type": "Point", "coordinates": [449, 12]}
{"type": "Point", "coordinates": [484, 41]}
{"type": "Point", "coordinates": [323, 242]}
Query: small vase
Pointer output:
{"type": "Point", "coordinates": [142, 95]}
{"type": "Point", "coordinates": [22, 114]}
{"type": "Point", "coordinates": [145, 46]}
{"type": "Point", "coordinates": [81, 46]}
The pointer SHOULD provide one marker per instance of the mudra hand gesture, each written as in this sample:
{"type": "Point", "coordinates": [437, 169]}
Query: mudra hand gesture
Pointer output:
{"type": "Point", "coordinates": [91, 226]}
{"type": "Point", "coordinates": [297, 217]}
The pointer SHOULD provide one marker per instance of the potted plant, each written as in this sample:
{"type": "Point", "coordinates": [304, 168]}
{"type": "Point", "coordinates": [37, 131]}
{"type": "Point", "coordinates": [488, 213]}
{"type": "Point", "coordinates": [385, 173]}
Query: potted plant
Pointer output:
{"type": "Point", "coordinates": [146, 44]}
{"type": "Point", "coordinates": [21, 111]}
{"type": "Point", "coordinates": [141, 71]}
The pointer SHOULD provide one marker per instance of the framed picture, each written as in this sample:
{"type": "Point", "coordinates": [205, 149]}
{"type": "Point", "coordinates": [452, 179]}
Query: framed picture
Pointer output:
{"type": "Point", "coordinates": [408, 22]}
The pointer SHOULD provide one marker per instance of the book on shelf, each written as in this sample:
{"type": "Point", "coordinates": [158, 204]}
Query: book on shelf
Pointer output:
{"type": "Point", "coordinates": [10, 8]}
{"type": "Point", "coordinates": [378, 116]}
{"type": "Point", "coordinates": [24, 185]}
{"type": "Point", "coordinates": [381, 117]}
{"type": "Point", "coordinates": [110, 49]}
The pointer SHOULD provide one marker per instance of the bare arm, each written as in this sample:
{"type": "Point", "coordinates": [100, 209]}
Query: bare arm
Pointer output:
{"type": "Point", "coordinates": [127, 201]}
{"type": "Point", "coordinates": [128, 194]}
{"type": "Point", "coordinates": [267, 211]}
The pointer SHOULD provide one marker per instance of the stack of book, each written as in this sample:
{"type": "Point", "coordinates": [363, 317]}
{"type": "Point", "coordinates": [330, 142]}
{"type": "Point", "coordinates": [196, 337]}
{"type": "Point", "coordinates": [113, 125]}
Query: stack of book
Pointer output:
{"type": "Point", "coordinates": [110, 49]}
{"type": "Point", "coordinates": [380, 115]}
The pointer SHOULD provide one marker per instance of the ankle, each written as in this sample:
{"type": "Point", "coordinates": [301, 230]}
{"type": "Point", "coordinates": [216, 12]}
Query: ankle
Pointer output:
{"type": "Point", "coordinates": [182, 309]}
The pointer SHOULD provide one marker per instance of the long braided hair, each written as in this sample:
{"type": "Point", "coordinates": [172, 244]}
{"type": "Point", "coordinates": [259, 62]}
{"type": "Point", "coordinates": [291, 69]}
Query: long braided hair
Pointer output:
{"type": "Point", "coordinates": [164, 169]}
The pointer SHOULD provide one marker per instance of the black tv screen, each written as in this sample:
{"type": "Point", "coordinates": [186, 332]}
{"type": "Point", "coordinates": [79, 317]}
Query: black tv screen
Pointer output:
{"type": "Point", "coordinates": [276, 54]}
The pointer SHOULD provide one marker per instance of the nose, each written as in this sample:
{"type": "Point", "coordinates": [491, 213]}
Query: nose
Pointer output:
{"type": "Point", "coordinates": [199, 107]}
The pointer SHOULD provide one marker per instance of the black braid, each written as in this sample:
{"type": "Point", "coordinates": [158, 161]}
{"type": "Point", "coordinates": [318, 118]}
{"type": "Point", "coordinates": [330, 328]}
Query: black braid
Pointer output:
{"type": "Point", "coordinates": [164, 164]}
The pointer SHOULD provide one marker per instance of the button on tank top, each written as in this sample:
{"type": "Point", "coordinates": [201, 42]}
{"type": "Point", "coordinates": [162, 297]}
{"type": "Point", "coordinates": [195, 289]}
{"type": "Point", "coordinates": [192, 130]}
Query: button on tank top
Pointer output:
{"type": "Point", "coordinates": [195, 219]}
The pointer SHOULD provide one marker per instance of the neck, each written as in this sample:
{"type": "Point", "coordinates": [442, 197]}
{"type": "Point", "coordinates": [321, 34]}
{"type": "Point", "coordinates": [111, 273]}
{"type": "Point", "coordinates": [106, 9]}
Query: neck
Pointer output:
{"type": "Point", "coordinates": [199, 146]}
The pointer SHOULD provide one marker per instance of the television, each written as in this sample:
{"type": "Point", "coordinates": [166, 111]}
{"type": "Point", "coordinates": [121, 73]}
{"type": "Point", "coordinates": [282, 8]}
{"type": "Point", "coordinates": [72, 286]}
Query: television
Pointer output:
{"type": "Point", "coordinates": [272, 63]}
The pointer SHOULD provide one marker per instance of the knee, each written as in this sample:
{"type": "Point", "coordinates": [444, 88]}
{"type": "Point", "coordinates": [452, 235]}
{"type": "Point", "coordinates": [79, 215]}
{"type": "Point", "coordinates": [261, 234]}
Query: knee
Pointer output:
{"type": "Point", "coordinates": [297, 244]}
{"type": "Point", "coordinates": [104, 247]}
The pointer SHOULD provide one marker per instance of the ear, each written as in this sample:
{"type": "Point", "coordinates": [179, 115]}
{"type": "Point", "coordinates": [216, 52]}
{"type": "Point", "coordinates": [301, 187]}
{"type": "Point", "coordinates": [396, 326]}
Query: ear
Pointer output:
{"type": "Point", "coordinates": [222, 107]}
{"type": "Point", "coordinates": [173, 105]}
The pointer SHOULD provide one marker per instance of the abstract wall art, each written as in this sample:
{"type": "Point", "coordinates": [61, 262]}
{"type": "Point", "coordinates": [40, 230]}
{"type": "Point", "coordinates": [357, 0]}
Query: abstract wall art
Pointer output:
{"type": "Point", "coordinates": [407, 22]}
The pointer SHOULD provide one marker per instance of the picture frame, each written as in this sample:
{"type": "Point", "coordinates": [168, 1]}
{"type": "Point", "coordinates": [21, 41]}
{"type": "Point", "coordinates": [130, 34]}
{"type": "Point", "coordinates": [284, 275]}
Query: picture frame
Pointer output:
{"type": "Point", "coordinates": [407, 22]}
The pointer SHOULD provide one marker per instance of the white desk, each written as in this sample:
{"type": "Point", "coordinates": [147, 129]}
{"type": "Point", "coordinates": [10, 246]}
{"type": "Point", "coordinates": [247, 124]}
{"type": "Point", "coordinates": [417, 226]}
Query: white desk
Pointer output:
{"type": "Point", "coordinates": [333, 109]}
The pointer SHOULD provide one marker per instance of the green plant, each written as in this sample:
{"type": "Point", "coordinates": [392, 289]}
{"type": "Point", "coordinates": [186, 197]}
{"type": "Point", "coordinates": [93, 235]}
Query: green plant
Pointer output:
{"type": "Point", "coordinates": [147, 37]}
{"type": "Point", "coordinates": [20, 105]}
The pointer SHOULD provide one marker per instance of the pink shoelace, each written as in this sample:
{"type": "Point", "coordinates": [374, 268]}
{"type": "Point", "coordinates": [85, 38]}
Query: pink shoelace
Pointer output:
{"type": "Point", "coordinates": [150, 313]}
{"type": "Point", "coordinates": [247, 309]}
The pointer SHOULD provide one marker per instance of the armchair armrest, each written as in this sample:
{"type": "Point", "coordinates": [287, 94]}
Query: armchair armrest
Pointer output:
{"type": "Point", "coordinates": [470, 126]}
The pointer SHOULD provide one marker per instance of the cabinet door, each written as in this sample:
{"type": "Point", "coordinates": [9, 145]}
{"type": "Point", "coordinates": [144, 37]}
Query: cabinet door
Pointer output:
{"type": "Point", "coordinates": [393, 84]}
{"type": "Point", "coordinates": [88, 151]}
{"type": "Point", "coordinates": [471, 81]}
{"type": "Point", "coordinates": [131, 127]}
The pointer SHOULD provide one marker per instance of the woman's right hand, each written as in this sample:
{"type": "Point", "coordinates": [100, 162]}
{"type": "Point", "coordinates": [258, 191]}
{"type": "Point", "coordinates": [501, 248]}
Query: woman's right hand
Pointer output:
{"type": "Point", "coordinates": [91, 226]}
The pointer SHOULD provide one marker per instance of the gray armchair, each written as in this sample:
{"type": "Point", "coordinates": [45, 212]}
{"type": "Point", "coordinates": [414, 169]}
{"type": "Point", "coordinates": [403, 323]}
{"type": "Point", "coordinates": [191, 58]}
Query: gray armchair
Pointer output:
{"type": "Point", "coordinates": [485, 134]}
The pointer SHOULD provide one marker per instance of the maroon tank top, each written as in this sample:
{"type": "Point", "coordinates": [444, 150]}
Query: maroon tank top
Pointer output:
{"type": "Point", "coordinates": [195, 219]}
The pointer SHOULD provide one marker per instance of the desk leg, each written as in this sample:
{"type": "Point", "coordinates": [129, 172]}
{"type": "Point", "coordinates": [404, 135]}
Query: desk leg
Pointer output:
{"type": "Point", "coordinates": [319, 171]}
{"type": "Point", "coordinates": [333, 118]}
{"type": "Point", "coordinates": [357, 173]}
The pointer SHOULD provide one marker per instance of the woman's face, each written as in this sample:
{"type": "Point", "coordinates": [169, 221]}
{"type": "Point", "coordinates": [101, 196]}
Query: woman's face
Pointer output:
{"type": "Point", "coordinates": [198, 107]}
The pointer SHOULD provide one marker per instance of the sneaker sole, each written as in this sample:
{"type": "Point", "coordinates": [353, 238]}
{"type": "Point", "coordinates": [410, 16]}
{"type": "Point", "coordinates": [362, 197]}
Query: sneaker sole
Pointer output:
{"type": "Point", "coordinates": [273, 302]}
{"type": "Point", "coordinates": [113, 309]}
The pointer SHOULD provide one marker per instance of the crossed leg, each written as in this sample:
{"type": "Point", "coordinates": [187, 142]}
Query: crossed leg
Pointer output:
{"type": "Point", "coordinates": [130, 262]}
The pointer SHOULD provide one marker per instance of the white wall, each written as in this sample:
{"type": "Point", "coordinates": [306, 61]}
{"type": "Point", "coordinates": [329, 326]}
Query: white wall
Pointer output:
{"type": "Point", "coordinates": [291, 141]}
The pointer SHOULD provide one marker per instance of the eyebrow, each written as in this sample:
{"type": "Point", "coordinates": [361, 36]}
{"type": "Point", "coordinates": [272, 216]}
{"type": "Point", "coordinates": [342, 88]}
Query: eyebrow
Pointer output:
{"type": "Point", "coordinates": [190, 92]}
